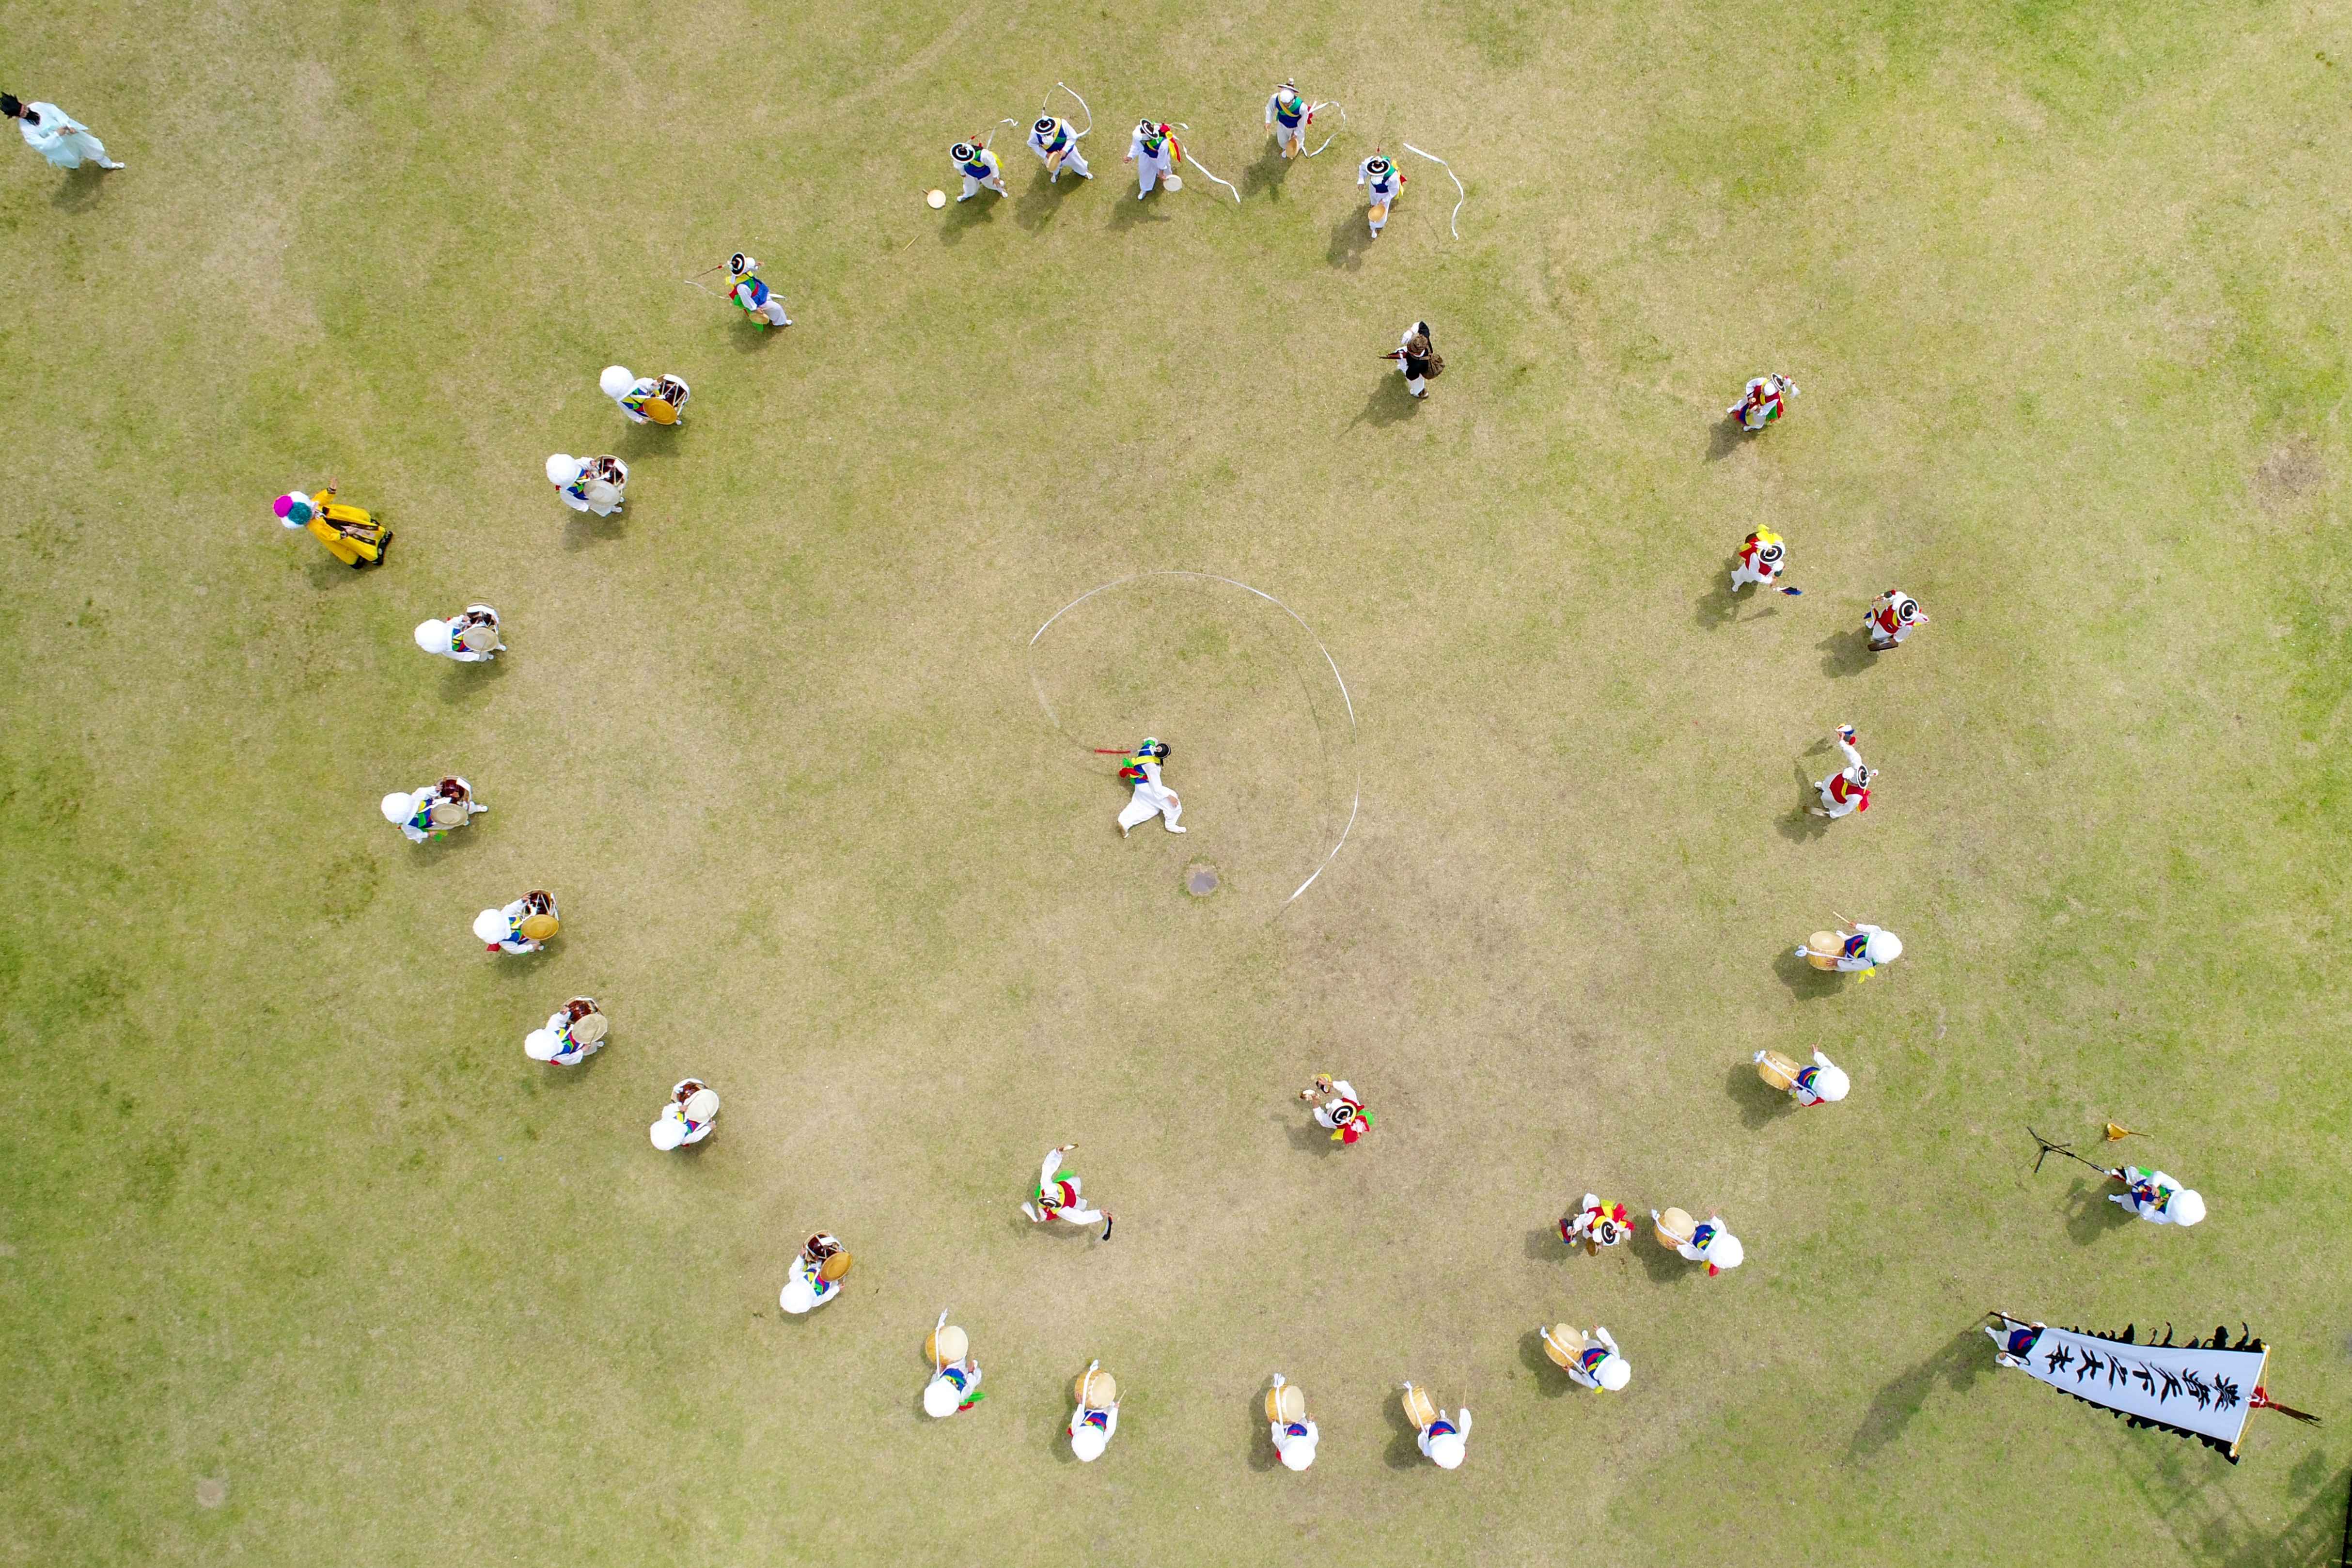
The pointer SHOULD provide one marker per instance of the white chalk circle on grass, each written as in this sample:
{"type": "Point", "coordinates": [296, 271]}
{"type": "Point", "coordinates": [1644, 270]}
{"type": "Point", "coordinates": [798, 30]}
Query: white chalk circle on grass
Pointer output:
{"type": "Point", "coordinates": [1156, 660]}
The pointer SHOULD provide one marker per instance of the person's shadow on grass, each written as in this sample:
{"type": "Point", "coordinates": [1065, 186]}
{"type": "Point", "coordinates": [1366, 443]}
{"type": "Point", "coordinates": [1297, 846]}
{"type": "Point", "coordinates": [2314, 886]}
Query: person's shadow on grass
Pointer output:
{"type": "Point", "coordinates": [1805, 982]}
{"type": "Point", "coordinates": [1041, 202]}
{"type": "Point", "coordinates": [1404, 1452]}
{"type": "Point", "coordinates": [963, 217]}
{"type": "Point", "coordinates": [1389, 404]}
{"type": "Point", "coordinates": [2089, 1216]}
{"type": "Point", "coordinates": [1957, 1364]}
{"type": "Point", "coordinates": [1129, 211]}
{"type": "Point", "coordinates": [1267, 173]}
{"type": "Point", "coordinates": [1352, 236]}
{"type": "Point", "coordinates": [1844, 654]}
{"type": "Point", "coordinates": [1760, 1103]}
{"type": "Point", "coordinates": [80, 189]}
{"type": "Point", "coordinates": [1801, 825]}
{"type": "Point", "coordinates": [1724, 438]}
{"type": "Point", "coordinates": [1551, 1383]}
{"type": "Point", "coordinates": [1261, 1456]}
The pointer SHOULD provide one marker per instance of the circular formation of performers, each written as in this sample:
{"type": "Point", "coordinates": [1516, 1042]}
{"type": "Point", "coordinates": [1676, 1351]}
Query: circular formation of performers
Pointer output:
{"type": "Point", "coordinates": [816, 1276]}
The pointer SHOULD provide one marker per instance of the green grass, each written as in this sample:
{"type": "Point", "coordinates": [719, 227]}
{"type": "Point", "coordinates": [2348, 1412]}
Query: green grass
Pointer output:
{"type": "Point", "coordinates": [289, 1208]}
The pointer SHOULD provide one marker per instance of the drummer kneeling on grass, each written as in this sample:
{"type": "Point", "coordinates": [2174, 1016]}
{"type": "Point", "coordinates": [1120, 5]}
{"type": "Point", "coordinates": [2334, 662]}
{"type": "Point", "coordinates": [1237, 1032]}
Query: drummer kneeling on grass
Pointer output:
{"type": "Point", "coordinates": [1096, 1420]}
{"type": "Point", "coordinates": [646, 399]}
{"type": "Point", "coordinates": [523, 926]}
{"type": "Point", "coordinates": [1590, 1359]}
{"type": "Point", "coordinates": [432, 812]}
{"type": "Point", "coordinates": [816, 1275]}
{"type": "Point", "coordinates": [469, 638]}
{"type": "Point", "coordinates": [955, 1377]}
{"type": "Point", "coordinates": [1295, 1435]}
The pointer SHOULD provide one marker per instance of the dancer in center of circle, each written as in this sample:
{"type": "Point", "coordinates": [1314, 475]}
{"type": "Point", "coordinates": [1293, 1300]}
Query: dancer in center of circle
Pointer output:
{"type": "Point", "coordinates": [1288, 109]}
{"type": "Point", "coordinates": [1151, 798]}
{"type": "Point", "coordinates": [1383, 182]}
{"type": "Point", "coordinates": [1056, 1196]}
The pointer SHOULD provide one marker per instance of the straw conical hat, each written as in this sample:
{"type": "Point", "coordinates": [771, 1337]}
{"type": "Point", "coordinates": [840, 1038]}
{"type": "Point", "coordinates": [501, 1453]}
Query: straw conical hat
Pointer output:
{"type": "Point", "coordinates": [660, 410]}
{"type": "Point", "coordinates": [1285, 1404]}
{"type": "Point", "coordinates": [1675, 1226]}
{"type": "Point", "coordinates": [449, 813]}
{"type": "Point", "coordinates": [480, 637]}
{"type": "Point", "coordinates": [590, 1030]}
{"type": "Point", "coordinates": [1777, 1070]}
{"type": "Point", "coordinates": [833, 1266]}
{"type": "Point", "coordinates": [1822, 948]}
{"type": "Point", "coordinates": [1561, 1343]}
{"type": "Point", "coordinates": [1419, 1408]}
{"type": "Point", "coordinates": [539, 928]}
{"type": "Point", "coordinates": [702, 1105]}
{"type": "Point", "coordinates": [1095, 1391]}
{"type": "Point", "coordinates": [947, 1346]}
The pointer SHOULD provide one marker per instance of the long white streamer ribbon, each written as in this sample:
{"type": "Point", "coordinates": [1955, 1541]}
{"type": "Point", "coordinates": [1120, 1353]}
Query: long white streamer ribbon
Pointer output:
{"type": "Point", "coordinates": [1354, 805]}
{"type": "Point", "coordinates": [1065, 87]}
{"type": "Point", "coordinates": [1457, 185]}
{"type": "Point", "coordinates": [1343, 121]}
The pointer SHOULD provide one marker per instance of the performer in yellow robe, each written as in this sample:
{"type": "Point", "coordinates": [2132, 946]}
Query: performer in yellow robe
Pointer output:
{"type": "Point", "coordinates": [351, 535]}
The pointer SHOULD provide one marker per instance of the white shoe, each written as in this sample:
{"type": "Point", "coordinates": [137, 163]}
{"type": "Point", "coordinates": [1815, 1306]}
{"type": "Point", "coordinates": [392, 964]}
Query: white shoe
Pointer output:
{"type": "Point", "coordinates": [1173, 828]}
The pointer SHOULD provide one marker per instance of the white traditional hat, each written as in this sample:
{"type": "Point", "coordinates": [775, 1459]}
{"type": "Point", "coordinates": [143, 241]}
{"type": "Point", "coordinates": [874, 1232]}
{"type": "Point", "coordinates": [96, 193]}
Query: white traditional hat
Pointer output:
{"type": "Point", "coordinates": [702, 1105]}
{"type": "Point", "coordinates": [1088, 1443]}
{"type": "Point", "coordinates": [562, 468]}
{"type": "Point", "coordinates": [542, 1045]}
{"type": "Point", "coordinates": [1614, 1373]}
{"type": "Point", "coordinates": [490, 925]}
{"type": "Point", "coordinates": [667, 1134]}
{"type": "Point", "coordinates": [1884, 947]}
{"type": "Point", "coordinates": [942, 1398]}
{"type": "Point", "coordinates": [1831, 1084]}
{"type": "Point", "coordinates": [1724, 1251]}
{"type": "Point", "coordinates": [1447, 1448]}
{"type": "Point", "coordinates": [615, 380]}
{"type": "Point", "coordinates": [2185, 1206]}
{"type": "Point", "coordinates": [1298, 1453]}
{"type": "Point", "coordinates": [398, 807]}
{"type": "Point", "coordinates": [433, 636]}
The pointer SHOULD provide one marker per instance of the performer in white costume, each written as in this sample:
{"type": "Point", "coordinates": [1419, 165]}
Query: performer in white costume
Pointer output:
{"type": "Point", "coordinates": [523, 926]}
{"type": "Point", "coordinates": [1383, 182]}
{"type": "Point", "coordinates": [955, 1377]}
{"type": "Point", "coordinates": [1057, 1196]}
{"type": "Point", "coordinates": [432, 812]}
{"type": "Point", "coordinates": [692, 1111]}
{"type": "Point", "coordinates": [1847, 790]}
{"type": "Point", "coordinates": [471, 637]}
{"type": "Point", "coordinates": [1151, 798]}
{"type": "Point", "coordinates": [589, 484]}
{"type": "Point", "coordinates": [1289, 110]}
{"type": "Point", "coordinates": [816, 1272]}
{"type": "Point", "coordinates": [55, 135]}
{"type": "Point", "coordinates": [751, 295]}
{"type": "Point", "coordinates": [1590, 1359]}
{"type": "Point", "coordinates": [1891, 618]}
{"type": "Point", "coordinates": [574, 1032]}
{"type": "Point", "coordinates": [1857, 948]}
{"type": "Point", "coordinates": [1596, 1224]}
{"type": "Point", "coordinates": [1096, 1420]}
{"type": "Point", "coordinates": [1823, 1083]}
{"type": "Point", "coordinates": [1705, 1241]}
{"type": "Point", "coordinates": [1340, 1110]}
{"type": "Point", "coordinates": [2156, 1197]}
{"type": "Point", "coordinates": [646, 399]}
{"type": "Point", "coordinates": [1763, 401]}
{"type": "Point", "coordinates": [1055, 142]}
{"type": "Point", "coordinates": [1295, 1435]}
{"type": "Point", "coordinates": [1155, 153]}
{"type": "Point", "coordinates": [1444, 1439]}
{"type": "Point", "coordinates": [979, 169]}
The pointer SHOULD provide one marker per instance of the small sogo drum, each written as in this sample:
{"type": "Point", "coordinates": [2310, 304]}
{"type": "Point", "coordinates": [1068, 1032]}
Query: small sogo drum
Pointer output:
{"type": "Point", "coordinates": [1822, 948]}
{"type": "Point", "coordinates": [1675, 1227]}
{"type": "Point", "coordinates": [1095, 1391]}
{"type": "Point", "coordinates": [1420, 1409]}
{"type": "Point", "coordinates": [1380, 213]}
{"type": "Point", "coordinates": [480, 637]}
{"type": "Point", "coordinates": [1285, 1404]}
{"type": "Point", "coordinates": [1563, 1344]}
{"type": "Point", "coordinates": [590, 1030]}
{"type": "Point", "coordinates": [947, 1346]}
{"type": "Point", "coordinates": [1778, 1070]}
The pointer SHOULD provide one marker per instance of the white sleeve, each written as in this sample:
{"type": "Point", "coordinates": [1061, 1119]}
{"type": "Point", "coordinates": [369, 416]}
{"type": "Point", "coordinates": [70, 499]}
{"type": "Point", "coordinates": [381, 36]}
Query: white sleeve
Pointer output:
{"type": "Point", "coordinates": [1134, 146]}
{"type": "Point", "coordinates": [1605, 1337]}
{"type": "Point", "coordinates": [1866, 926]}
{"type": "Point", "coordinates": [1269, 107]}
{"type": "Point", "coordinates": [1853, 757]}
{"type": "Point", "coordinates": [1363, 175]}
{"type": "Point", "coordinates": [1347, 1090]}
{"type": "Point", "coordinates": [1821, 1061]}
{"type": "Point", "coordinates": [1053, 1164]}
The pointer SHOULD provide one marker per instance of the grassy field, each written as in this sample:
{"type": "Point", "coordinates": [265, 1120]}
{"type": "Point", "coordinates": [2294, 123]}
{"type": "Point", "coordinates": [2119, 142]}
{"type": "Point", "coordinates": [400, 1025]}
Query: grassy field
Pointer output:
{"type": "Point", "coordinates": [301, 1261]}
